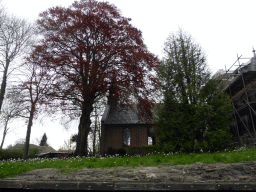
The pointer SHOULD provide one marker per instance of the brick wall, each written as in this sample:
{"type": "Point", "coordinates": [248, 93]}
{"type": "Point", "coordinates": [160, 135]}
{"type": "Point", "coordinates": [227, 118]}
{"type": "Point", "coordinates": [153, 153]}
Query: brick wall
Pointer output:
{"type": "Point", "coordinates": [139, 135]}
{"type": "Point", "coordinates": [114, 136]}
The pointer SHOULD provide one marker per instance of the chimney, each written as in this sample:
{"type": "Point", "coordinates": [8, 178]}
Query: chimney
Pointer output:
{"type": "Point", "coordinates": [112, 100]}
{"type": "Point", "coordinates": [112, 95]}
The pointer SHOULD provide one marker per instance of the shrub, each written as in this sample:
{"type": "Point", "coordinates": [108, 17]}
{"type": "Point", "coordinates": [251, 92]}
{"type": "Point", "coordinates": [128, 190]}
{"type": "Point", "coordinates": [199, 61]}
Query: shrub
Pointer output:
{"type": "Point", "coordinates": [218, 140]}
{"type": "Point", "coordinates": [17, 153]}
{"type": "Point", "coordinates": [121, 151]}
{"type": "Point", "coordinates": [111, 151]}
{"type": "Point", "coordinates": [32, 153]}
{"type": "Point", "coordinates": [10, 154]}
{"type": "Point", "coordinates": [151, 149]}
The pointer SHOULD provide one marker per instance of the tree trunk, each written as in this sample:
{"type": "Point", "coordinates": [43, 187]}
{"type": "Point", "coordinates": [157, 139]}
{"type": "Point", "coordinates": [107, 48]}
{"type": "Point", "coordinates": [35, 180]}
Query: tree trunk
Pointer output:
{"type": "Point", "coordinates": [30, 123]}
{"type": "Point", "coordinates": [94, 135]}
{"type": "Point", "coordinates": [99, 131]}
{"type": "Point", "coordinates": [4, 134]}
{"type": "Point", "coordinates": [93, 143]}
{"type": "Point", "coordinates": [3, 85]}
{"type": "Point", "coordinates": [83, 131]}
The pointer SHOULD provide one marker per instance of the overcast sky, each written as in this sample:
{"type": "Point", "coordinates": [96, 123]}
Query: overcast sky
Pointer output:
{"type": "Point", "coordinates": [224, 28]}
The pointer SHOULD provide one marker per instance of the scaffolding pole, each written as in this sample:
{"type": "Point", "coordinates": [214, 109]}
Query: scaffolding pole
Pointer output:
{"type": "Point", "coordinates": [246, 100]}
{"type": "Point", "coordinates": [245, 89]}
{"type": "Point", "coordinates": [234, 109]}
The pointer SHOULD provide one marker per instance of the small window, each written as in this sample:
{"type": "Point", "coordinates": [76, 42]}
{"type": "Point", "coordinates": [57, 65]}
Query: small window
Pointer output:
{"type": "Point", "coordinates": [151, 137]}
{"type": "Point", "coordinates": [150, 141]}
{"type": "Point", "coordinates": [127, 137]}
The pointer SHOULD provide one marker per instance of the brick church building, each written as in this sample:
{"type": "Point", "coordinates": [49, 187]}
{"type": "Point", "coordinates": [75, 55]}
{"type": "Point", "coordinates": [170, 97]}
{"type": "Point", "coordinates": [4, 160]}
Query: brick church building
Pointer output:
{"type": "Point", "coordinates": [121, 127]}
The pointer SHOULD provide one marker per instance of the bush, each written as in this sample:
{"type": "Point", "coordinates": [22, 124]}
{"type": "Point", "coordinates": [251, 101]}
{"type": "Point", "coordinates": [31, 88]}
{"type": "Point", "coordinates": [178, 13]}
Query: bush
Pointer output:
{"type": "Point", "coordinates": [121, 151]}
{"type": "Point", "coordinates": [6, 154]}
{"type": "Point", "coordinates": [10, 154]}
{"type": "Point", "coordinates": [151, 149]}
{"type": "Point", "coordinates": [218, 140]}
{"type": "Point", "coordinates": [32, 153]}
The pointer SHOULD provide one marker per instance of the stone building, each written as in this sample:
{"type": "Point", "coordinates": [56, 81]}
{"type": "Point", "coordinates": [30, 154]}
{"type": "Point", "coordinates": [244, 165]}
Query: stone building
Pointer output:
{"type": "Point", "coordinates": [122, 128]}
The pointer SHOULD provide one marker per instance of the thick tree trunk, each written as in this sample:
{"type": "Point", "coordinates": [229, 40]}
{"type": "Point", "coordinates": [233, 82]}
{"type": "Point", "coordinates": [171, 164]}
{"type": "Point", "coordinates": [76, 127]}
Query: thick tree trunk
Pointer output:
{"type": "Point", "coordinates": [83, 131]}
{"type": "Point", "coordinates": [30, 123]}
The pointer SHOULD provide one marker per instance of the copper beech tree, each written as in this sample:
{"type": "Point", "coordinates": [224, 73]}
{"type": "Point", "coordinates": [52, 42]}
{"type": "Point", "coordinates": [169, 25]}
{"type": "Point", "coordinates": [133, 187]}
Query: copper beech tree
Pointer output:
{"type": "Point", "coordinates": [90, 45]}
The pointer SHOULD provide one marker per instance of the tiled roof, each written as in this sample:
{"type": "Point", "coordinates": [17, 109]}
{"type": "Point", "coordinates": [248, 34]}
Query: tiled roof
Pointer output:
{"type": "Point", "coordinates": [120, 116]}
{"type": "Point", "coordinates": [117, 115]}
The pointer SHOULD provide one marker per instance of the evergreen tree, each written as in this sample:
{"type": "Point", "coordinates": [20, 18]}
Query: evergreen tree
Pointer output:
{"type": "Point", "coordinates": [217, 119]}
{"type": "Point", "coordinates": [193, 103]}
{"type": "Point", "coordinates": [44, 140]}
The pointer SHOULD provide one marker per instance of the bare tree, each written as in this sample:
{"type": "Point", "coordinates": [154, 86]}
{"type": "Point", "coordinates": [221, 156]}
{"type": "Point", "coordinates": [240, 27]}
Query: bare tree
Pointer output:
{"type": "Point", "coordinates": [68, 145]}
{"type": "Point", "coordinates": [35, 89]}
{"type": "Point", "coordinates": [15, 38]}
{"type": "Point", "coordinates": [11, 110]}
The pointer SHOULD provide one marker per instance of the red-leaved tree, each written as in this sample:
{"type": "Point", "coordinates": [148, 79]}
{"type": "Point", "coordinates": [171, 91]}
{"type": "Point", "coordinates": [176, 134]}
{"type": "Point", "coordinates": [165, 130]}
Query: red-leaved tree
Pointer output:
{"type": "Point", "coordinates": [91, 46]}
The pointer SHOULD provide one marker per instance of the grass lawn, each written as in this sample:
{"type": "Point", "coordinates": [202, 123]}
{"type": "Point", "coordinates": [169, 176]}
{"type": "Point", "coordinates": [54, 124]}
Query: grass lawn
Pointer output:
{"type": "Point", "coordinates": [12, 168]}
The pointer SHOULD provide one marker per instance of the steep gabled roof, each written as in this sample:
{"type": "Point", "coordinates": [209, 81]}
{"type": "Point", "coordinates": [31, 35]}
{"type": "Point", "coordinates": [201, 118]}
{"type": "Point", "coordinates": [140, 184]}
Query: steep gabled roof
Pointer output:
{"type": "Point", "coordinates": [117, 115]}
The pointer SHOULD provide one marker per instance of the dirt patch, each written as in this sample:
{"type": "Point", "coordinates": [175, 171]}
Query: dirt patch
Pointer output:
{"type": "Point", "coordinates": [198, 172]}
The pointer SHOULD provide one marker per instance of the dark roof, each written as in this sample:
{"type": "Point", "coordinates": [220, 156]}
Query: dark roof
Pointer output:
{"type": "Point", "coordinates": [118, 115]}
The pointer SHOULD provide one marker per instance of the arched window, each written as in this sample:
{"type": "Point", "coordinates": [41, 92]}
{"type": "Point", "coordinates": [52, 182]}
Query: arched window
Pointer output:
{"type": "Point", "coordinates": [127, 137]}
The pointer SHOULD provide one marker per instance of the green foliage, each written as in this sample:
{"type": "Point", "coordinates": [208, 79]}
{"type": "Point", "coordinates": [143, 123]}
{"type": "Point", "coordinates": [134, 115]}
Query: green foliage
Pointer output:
{"type": "Point", "coordinates": [195, 112]}
{"type": "Point", "coordinates": [33, 152]}
{"type": "Point", "coordinates": [151, 149]}
{"type": "Point", "coordinates": [6, 154]}
{"type": "Point", "coordinates": [10, 154]}
{"type": "Point", "coordinates": [43, 140]}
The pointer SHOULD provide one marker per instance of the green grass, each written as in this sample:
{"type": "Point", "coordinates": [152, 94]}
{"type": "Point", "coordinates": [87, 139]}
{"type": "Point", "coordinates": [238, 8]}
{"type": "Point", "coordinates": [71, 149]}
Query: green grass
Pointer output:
{"type": "Point", "coordinates": [12, 168]}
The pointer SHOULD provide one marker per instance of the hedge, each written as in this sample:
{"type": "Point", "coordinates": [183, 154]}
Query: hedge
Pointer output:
{"type": "Point", "coordinates": [6, 154]}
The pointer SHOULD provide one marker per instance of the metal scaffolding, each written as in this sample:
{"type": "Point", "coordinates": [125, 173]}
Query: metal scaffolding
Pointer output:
{"type": "Point", "coordinates": [240, 84]}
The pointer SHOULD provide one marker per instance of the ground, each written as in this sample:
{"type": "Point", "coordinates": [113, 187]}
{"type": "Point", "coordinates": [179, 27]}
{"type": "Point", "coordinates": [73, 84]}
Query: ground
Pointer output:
{"type": "Point", "coordinates": [193, 173]}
